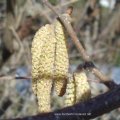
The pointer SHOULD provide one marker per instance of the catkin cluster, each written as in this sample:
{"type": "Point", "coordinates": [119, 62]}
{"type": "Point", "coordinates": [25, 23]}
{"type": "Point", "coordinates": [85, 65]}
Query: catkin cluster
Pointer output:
{"type": "Point", "coordinates": [78, 89]}
{"type": "Point", "coordinates": [50, 64]}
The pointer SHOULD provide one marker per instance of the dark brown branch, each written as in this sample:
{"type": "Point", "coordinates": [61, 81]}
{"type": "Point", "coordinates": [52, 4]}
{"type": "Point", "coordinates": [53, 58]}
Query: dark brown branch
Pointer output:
{"type": "Point", "coordinates": [104, 79]}
{"type": "Point", "coordinates": [94, 107]}
{"type": "Point", "coordinates": [9, 77]}
{"type": "Point", "coordinates": [5, 105]}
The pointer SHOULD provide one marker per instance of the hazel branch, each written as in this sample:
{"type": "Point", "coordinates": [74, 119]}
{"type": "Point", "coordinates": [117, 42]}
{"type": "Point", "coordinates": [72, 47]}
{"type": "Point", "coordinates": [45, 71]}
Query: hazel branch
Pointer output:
{"type": "Point", "coordinates": [104, 79]}
{"type": "Point", "coordinates": [90, 109]}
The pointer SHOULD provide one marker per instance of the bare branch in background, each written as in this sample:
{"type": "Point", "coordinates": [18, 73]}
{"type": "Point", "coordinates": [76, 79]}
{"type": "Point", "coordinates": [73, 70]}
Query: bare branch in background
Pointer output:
{"type": "Point", "coordinates": [10, 77]}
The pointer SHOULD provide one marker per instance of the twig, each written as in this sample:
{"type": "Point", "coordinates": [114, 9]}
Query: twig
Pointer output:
{"type": "Point", "coordinates": [70, 31]}
{"type": "Point", "coordinates": [45, 13]}
{"type": "Point", "coordinates": [21, 48]}
{"type": "Point", "coordinates": [12, 77]}
{"type": "Point", "coordinates": [86, 58]}
{"type": "Point", "coordinates": [83, 13]}
{"type": "Point", "coordinates": [20, 16]}
{"type": "Point", "coordinates": [64, 4]}
{"type": "Point", "coordinates": [40, 11]}
{"type": "Point", "coordinates": [96, 81]}
{"type": "Point", "coordinates": [92, 54]}
{"type": "Point", "coordinates": [16, 36]}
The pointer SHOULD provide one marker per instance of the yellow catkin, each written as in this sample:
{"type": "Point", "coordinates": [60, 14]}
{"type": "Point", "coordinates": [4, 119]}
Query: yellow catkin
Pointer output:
{"type": "Point", "coordinates": [36, 52]}
{"type": "Point", "coordinates": [43, 95]}
{"type": "Point", "coordinates": [70, 92]}
{"type": "Point", "coordinates": [50, 65]}
{"type": "Point", "coordinates": [61, 57]}
{"type": "Point", "coordinates": [42, 67]}
{"type": "Point", "coordinates": [78, 89]}
{"type": "Point", "coordinates": [82, 87]}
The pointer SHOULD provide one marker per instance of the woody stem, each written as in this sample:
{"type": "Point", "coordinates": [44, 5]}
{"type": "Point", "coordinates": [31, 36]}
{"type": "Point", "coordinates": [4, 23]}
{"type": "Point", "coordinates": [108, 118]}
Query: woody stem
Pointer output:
{"type": "Point", "coordinates": [103, 78]}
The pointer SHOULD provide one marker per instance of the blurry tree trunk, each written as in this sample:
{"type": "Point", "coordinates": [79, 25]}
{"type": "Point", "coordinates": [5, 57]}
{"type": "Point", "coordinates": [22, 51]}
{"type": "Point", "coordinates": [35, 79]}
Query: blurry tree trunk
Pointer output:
{"type": "Point", "coordinates": [91, 25]}
{"type": "Point", "coordinates": [10, 21]}
{"type": "Point", "coordinates": [18, 27]}
{"type": "Point", "coordinates": [87, 40]}
{"type": "Point", "coordinates": [11, 45]}
{"type": "Point", "coordinates": [117, 2]}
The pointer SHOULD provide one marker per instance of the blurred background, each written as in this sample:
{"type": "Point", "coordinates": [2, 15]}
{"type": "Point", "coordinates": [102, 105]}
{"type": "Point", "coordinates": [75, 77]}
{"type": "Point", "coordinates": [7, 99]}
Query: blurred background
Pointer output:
{"type": "Point", "coordinates": [96, 23]}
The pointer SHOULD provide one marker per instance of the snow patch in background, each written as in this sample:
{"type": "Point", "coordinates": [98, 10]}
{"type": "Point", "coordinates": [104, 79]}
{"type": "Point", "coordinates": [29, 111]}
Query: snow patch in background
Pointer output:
{"type": "Point", "coordinates": [116, 74]}
{"type": "Point", "coordinates": [108, 3]}
{"type": "Point", "coordinates": [22, 85]}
